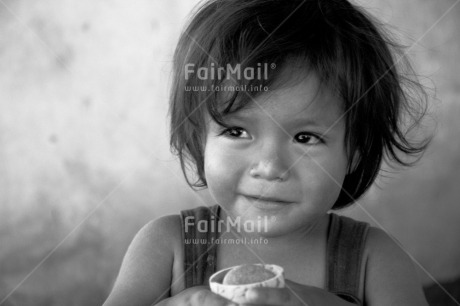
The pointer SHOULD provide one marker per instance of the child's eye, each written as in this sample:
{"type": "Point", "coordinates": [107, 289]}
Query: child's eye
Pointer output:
{"type": "Point", "coordinates": [307, 138]}
{"type": "Point", "coordinates": [236, 132]}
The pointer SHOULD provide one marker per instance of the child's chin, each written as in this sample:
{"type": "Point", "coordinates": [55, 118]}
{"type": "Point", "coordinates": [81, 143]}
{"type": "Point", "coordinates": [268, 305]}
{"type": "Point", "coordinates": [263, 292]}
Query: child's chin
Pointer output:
{"type": "Point", "coordinates": [270, 229]}
{"type": "Point", "coordinates": [273, 231]}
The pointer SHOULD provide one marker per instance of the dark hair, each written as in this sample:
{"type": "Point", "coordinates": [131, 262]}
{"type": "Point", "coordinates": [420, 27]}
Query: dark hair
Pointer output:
{"type": "Point", "coordinates": [343, 45]}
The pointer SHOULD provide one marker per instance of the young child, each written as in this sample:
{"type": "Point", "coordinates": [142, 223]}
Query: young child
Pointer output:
{"type": "Point", "coordinates": [284, 110]}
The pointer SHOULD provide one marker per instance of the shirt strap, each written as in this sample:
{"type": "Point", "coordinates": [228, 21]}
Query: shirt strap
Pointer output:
{"type": "Point", "coordinates": [345, 252]}
{"type": "Point", "coordinates": [199, 229]}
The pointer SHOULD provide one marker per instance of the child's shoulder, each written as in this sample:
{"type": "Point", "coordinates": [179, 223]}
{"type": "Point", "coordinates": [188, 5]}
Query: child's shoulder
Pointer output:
{"type": "Point", "coordinates": [390, 272]}
{"type": "Point", "coordinates": [158, 240]}
{"type": "Point", "coordinates": [162, 233]}
{"type": "Point", "coordinates": [146, 271]}
{"type": "Point", "coordinates": [157, 233]}
{"type": "Point", "coordinates": [164, 226]}
{"type": "Point", "coordinates": [380, 247]}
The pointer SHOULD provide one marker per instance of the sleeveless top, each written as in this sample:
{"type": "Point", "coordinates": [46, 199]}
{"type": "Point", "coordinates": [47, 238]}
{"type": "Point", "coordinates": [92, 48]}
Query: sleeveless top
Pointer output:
{"type": "Point", "coordinates": [345, 245]}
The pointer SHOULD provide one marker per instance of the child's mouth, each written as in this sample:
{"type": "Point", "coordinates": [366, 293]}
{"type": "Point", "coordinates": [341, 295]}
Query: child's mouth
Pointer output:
{"type": "Point", "coordinates": [267, 202]}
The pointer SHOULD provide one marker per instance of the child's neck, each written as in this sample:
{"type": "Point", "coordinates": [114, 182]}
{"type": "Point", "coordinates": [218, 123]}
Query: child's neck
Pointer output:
{"type": "Point", "coordinates": [302, 253]}
{"type": "Point", "coordinates": [311, 234]}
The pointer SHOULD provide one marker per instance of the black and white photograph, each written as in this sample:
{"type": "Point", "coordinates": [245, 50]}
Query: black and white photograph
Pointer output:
{"type": "Point", "coordinates": [230, 152]}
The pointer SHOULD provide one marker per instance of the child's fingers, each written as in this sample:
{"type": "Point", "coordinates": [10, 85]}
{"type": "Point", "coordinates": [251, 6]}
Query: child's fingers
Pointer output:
{"type": "Point", "coordinates": [272, 296]}
{"type": "Point", "coordinates": [206, 297]}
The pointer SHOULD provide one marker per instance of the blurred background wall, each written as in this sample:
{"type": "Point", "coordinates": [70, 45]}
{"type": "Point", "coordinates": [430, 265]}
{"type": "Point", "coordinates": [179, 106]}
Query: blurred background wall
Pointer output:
{"type": "Point", "coordinates": [84, 157]}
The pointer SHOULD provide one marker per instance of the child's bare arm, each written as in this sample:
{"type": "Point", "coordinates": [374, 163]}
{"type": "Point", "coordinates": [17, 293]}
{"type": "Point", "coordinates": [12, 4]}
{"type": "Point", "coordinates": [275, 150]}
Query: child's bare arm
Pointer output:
{"type": "Point", "coordinates": [391, 278]}
{"type": "Point", "coordinates": [146, 271]}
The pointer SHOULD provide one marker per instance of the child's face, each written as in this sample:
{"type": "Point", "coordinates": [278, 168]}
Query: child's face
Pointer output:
{"type": "Point", "coordinates": [277, 150]}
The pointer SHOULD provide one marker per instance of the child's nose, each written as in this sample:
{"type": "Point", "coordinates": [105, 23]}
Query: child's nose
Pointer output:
{"type": "Point", "coordinates": [271, 167]}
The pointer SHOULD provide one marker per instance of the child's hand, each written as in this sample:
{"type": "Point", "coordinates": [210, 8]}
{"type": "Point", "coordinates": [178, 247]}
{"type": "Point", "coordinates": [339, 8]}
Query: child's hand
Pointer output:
{"type": "Point", "coordinates": [199, 296]}
{"type": "Point", "coordinates": [293, 294]}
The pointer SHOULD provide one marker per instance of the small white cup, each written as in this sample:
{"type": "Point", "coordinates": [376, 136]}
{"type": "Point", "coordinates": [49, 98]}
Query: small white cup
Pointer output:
{"type": "Point", "coordinates": [236, 293]}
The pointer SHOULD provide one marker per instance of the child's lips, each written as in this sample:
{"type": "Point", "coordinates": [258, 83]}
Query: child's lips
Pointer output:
{"type": "Point", "coordinates": [267, 202]}
{"type": "Point", "coordinates": [269, 199]}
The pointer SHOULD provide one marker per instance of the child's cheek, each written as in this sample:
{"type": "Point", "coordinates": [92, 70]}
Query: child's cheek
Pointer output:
{"type": "Point", "coordinates": [223, 172]}
{"type": "Point", "coordinates": [321, 180]}
{"type": "Point", "coordinates": [330, 183]}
